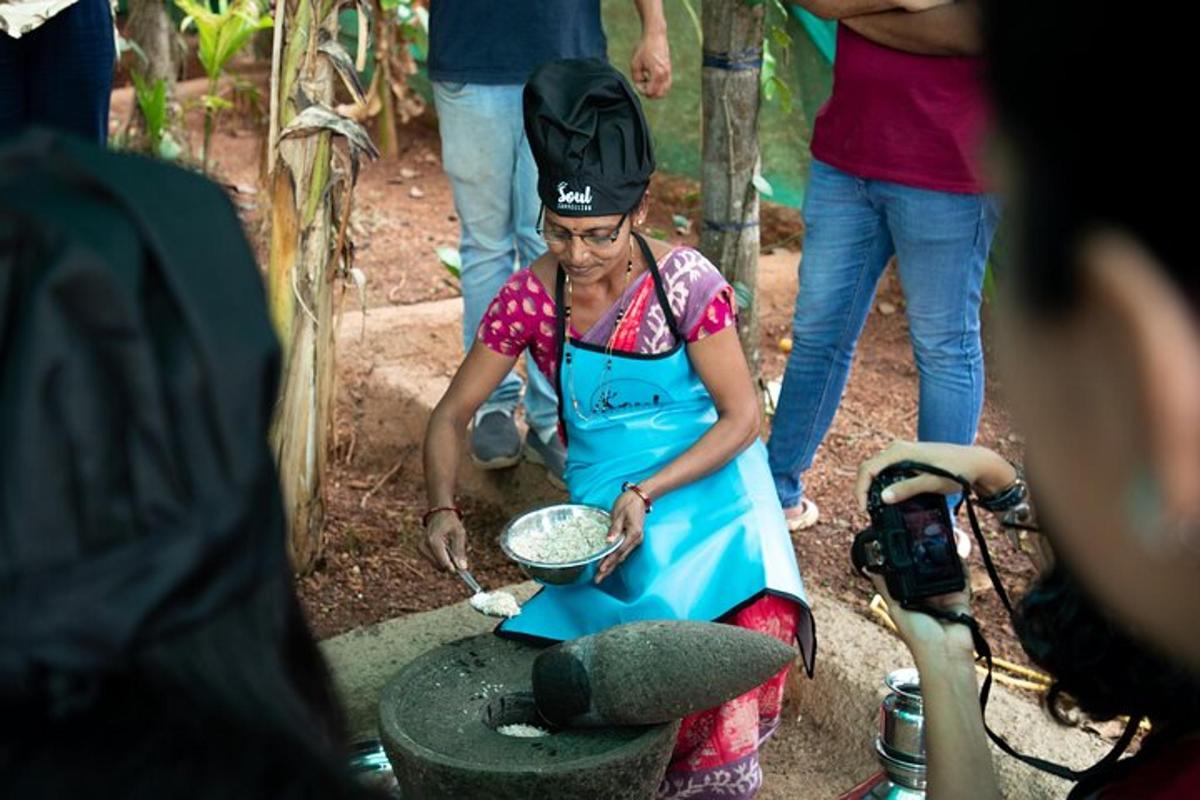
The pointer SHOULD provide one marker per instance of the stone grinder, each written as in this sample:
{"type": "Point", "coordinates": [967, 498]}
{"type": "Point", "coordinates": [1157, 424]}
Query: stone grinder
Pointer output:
{"type": "Point", "coordinates": [609, 702]}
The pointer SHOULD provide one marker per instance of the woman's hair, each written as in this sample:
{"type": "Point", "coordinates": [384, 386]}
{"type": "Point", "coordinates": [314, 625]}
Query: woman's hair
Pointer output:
{"type": "Point", "coordinates": [1092, 102]}
{"type": "Point", "coordinates": [1095, 663]}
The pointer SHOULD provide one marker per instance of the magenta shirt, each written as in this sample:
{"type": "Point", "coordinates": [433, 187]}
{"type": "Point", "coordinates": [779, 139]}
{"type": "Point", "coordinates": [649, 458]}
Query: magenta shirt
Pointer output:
{"type": "Point", "coordinates": [894, 116]}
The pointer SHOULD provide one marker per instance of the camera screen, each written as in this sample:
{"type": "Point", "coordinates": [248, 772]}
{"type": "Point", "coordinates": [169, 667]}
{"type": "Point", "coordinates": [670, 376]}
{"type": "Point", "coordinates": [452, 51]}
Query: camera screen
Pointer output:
{"type": "Point", "coordinates": [932, 542]}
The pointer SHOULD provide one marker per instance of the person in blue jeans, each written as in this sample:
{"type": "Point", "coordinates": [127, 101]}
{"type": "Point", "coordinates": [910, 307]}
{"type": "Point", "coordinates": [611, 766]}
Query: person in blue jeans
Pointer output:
{"type": "Point", "coordinates": [894, 173]}
{"type": "Point", "coordinates": [56, 66]}
{"type": "Point", "coordinates": [480, 54]}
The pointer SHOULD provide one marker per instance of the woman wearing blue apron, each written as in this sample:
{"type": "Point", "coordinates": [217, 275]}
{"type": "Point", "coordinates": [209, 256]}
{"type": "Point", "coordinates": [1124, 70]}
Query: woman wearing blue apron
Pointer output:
{"type": "Point", "coordinates": [657, 409]}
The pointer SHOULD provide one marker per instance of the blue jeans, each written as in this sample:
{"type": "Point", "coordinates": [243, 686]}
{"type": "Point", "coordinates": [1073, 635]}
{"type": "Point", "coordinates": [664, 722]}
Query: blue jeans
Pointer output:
{"type": "Point", "coordinates": [853, 226]}
{"type": "Point", "coordinates": [60, 74]}
{"type": "Point", "coordinates": [494, 180]}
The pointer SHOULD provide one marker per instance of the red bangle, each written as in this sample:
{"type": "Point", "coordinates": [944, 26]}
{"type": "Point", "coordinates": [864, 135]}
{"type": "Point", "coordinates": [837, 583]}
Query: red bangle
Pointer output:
{"type": "Point", "coordinates": [425, 517]}
{"type": "Point", "coordinates": [629, 486]}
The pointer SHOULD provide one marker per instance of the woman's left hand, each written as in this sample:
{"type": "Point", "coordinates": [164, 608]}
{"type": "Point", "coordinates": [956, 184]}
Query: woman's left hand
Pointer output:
{"type": "Point", "coordinates": [629, 518]}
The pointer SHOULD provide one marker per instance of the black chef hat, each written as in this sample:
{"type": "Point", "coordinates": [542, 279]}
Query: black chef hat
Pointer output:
{"type": "Point", "coordinates": [138, 370]}
{"type": "Point", "coordinates": [589, 138]}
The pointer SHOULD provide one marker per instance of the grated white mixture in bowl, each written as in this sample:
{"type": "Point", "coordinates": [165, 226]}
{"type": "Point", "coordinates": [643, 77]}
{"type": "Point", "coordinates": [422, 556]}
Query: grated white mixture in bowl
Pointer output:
{"type": "Point", "coordinates": [575, 539]}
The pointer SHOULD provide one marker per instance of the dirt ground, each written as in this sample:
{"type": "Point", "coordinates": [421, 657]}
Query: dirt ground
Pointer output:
{"type": "Point", "coordinates": [404, 212]}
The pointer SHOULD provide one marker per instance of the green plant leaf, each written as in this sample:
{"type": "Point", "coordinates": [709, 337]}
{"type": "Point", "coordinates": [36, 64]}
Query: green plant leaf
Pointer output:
{"type": "Point", "coordinates": [214, 102]}
{"type": "Point", "coordinates": [451, 259]}
{"type": "Point", "coordinates": [781, 38]}
{"type": "Point", "coordinates": [762, 185]}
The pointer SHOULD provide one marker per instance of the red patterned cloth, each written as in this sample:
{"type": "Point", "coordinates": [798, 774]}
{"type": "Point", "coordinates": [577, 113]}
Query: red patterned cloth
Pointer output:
{"type": "Point", "coordinates": [522, 314]}
{"type": "Point", "coordinates": [716, 754]}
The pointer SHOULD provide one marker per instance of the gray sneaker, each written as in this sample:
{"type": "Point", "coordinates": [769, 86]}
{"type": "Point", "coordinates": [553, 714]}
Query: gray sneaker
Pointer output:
{"type": "Point", "coordinates": [495, 442]}
{"type": "Point", "coordinates": [552, 455]}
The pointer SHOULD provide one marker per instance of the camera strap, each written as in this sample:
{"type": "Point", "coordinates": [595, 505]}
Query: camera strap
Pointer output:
{"type": "Point", "coordinates": [984, 650]}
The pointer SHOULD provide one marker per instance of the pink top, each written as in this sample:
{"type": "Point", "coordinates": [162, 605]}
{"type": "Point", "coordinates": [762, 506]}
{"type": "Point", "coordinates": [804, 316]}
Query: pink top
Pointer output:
{"type": "Point", "coordinates": [894, 116]}
{"type": "Point", "coordinates": [522, 316]}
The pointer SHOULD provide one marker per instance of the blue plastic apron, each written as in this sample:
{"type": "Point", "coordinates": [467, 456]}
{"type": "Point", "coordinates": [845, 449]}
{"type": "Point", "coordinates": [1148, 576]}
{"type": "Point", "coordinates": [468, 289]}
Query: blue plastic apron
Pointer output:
{"type": "Point", "coordinates": [710, 547]}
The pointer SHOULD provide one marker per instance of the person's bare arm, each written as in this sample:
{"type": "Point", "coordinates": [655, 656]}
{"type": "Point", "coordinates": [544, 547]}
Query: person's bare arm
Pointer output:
{"type": "Point", "coordinates": [722, 367]}
{"type": "Point", "coordinates": [950, 30]}
{"type": "Point", "coordinates": [479, 374]}
{"type": "Point", "coordinates": [651, 64]}
{"type": "Point", "coordinates": [840, 9]}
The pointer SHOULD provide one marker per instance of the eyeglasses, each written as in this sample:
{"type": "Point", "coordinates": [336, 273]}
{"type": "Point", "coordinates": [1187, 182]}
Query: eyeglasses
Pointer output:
{"type": "Point", "coordinates": [558, 236]}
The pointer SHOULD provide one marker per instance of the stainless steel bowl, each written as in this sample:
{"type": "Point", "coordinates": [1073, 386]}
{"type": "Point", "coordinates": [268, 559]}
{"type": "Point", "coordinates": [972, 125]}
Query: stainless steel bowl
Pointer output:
{"type": "Point", "coordinates": [905, 780]}
{"type": "Point", "coordinates": [902, 717]}
{"type": "Point", "coordinates": [371, 767]}
{"type": "Point", "coordinates": [547, 518]}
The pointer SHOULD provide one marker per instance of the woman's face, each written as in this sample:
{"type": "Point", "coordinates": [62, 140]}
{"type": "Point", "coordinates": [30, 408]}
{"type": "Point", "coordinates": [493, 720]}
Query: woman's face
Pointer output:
{"type": "Point", "coordinates": [590, 249]}
{"type": "Point", "coordinates": [1108, 395]}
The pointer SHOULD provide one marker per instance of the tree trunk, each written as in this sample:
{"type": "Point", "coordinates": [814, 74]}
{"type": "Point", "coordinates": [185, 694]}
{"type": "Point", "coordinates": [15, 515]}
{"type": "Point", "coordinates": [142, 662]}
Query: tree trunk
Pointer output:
{"type": "Point", "coordinates": [729, 81]}
{"type": "Point", "coordinates": [150, 26]}
{"type": "Point", "coordinates": [301, 275]}
{"type": "Point", "coordinates": [386, 135]}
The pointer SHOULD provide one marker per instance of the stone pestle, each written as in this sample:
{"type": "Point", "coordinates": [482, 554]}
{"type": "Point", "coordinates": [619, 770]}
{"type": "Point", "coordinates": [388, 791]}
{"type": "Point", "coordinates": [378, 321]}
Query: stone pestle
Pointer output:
{"type": "Point", "coordinates": [645, 673]}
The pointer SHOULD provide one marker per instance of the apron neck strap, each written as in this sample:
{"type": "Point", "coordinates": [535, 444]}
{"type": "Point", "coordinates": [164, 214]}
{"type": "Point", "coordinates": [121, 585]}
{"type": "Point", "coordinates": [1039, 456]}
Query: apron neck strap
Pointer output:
{"type": "Point", "coordinates": [659, 287]}
{"type": "Point", "coordinates": [560, 338]}
{"type": "Point", "coordinates": [561, 321]}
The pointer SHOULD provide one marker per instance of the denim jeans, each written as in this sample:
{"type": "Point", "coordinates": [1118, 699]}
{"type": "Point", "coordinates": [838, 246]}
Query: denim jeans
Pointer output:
{"type": "Point", "coordinates": [853, 226]}
{"type": "Point", "coordinates": [60, 74]}
{"type": "Point", "coordinates": [494, 180]}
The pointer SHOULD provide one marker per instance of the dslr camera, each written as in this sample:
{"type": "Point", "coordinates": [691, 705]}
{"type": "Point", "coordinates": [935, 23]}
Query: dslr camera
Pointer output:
{"type": "Point", "coordinates": [911, 543]}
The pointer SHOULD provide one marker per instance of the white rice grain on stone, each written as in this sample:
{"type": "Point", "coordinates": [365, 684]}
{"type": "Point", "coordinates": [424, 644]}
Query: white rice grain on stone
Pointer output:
{"type": "Point", "coordinates": [522, 731]}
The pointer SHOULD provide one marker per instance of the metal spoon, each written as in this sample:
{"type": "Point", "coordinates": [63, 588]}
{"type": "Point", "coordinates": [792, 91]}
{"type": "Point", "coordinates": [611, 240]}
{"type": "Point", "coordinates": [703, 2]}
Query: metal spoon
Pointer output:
{"type": "Point", "coordinates": [469, 579]}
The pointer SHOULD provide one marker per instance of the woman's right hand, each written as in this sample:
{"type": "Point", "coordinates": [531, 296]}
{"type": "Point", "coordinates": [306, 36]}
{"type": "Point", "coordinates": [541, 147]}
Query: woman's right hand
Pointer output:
{"type": "Point", "coordinates": [984, 469]}
{"type": "Point", "coordinates": [445, 542]}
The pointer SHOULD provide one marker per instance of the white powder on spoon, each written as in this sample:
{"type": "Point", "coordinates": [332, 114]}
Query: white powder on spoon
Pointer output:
{"type": "Point", "coordinates": [495, 604]}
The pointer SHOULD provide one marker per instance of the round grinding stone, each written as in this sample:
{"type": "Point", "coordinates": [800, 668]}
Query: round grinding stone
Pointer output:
{"type": "Point", "coordinates": [438, 715]}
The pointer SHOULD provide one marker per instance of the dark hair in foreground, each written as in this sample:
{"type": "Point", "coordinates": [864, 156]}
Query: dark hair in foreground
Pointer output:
{"type": "Point", "coordinates": [151, 642]}
{"type": "Point", "coordinates": [240, 707]}
{"type": "Point", "coordinates": [1102, 670]}
{"type": "Point", "coordinates": [1095, 663]}
{"type": "Point", "coordinates": [1092, 102]}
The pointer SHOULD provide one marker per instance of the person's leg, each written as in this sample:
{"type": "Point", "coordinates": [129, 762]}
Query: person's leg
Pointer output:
{"type": "Point", "coordinates": [541, 403]}
{"type": "Point", "coordinates": [71, 70]}
{"type": "Point", "coordinates": [542, 443]}
{"type": "Point", "coordinates": [477, 153]}
{"type": "Point", "coordinates": [846, 247]}
{"type": "Point", "coordinates": [942, 242]}
{"type": "Point", "coordinates": [14, 104]}
{"type": "Point", "coordinates": [719, 747]}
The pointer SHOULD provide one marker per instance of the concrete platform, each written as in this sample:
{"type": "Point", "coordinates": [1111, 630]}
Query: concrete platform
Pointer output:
{"type": "Point", "coordinates": [824, 746]}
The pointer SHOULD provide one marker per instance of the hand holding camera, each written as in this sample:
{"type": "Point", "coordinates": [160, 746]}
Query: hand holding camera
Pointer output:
{"type": "Point", "coordinates": [908, 551]}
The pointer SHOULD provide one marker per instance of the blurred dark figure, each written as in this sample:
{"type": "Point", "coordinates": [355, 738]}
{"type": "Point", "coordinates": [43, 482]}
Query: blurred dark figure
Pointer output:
{"type": "Point", "coordinates": [56, 66]}
{"type": "Point", "coordinates": [151, 644]}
